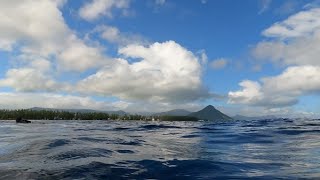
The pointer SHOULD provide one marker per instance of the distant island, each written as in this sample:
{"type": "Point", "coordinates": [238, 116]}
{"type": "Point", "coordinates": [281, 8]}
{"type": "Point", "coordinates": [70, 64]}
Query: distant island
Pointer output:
{"type": "Point", "coordinates": [209, 113]}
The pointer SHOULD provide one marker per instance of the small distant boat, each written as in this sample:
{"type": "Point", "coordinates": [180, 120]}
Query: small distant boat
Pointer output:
{"type": "Point", "coordinates": [20, 120]}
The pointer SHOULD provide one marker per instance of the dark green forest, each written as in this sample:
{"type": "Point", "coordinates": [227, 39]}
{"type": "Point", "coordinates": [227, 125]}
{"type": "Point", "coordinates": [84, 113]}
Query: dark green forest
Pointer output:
{"type": "Point", "coordinates": [65, 115]}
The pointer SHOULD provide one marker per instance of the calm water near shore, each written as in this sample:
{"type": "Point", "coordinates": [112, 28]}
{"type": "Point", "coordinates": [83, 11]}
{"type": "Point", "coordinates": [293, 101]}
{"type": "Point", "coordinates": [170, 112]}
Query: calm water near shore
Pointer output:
{"type": "Point", "coordinates": [266, 149]}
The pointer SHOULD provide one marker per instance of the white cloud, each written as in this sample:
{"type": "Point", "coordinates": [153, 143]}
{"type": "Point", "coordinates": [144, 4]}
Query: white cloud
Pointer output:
{"type": "Point", "coordinates": [10, 100]}
{"type": "Point", "coordinates": [44, 48]}
{"type": "Point", "coordinates": [219, 63]}
{"type": "Point", "coordinates": [41, 42]}
{"type": "Point", "coordinates": [161, 72]}
{"type": "Point", "coordinates": [77, 56]}
{"type": "Point", "coordinates": [23, 100]}
{"type": "Point", "coordinates": [301, 24]}
{"type": "Point", "coordinates": [113, 35]}
{"type": "Point", "coordinates": [250, 93]}
{"type": "Point", "coordinates": [60, 3]}
{"type": "Point", "coordinates": [203, 57]}
{"type": "Point", "coordinates": [151, 107]}
{"type": "Point", "coordinates": [37, 29]}
{"type": "Point", "coordinates": [41, 64]}
{"type": "Point", "coordinates": [282, 90]}
{"type": "Point", "coordinates": [96, 8]}
{"type": "Point", "coordinates": [34, 75]}
{"type": "Point", "coordinates": [295, 80]}
{"type": "Point", "coordinates": [301, 51]}
{"type": "Point", "coordinates": [32, 23]}
{"type": "Point", "coordinates": [295, 43]}
{"type": "Point", "coordinates": [28, 79]}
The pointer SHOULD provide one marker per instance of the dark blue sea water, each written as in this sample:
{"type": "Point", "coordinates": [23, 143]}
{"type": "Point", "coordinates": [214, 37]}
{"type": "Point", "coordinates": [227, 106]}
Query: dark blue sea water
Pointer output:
{"type": "Point", "coordinates": [265, 149]}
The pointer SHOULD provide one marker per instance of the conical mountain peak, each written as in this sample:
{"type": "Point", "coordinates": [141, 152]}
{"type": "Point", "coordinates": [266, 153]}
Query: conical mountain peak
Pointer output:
{"type": "Point", "coordinates": [209, 107]}
{"type": "Point", "coordinates": [210, 113]}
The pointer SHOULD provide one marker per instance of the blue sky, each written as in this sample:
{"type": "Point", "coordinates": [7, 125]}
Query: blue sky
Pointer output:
{"type": "Point", "coordinates": [245, 57]}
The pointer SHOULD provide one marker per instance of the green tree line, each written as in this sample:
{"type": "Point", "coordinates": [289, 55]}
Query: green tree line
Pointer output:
{"type": "Point", "coordinates": [65, 115]}
{"type": "Point", "coordinates": [56, 115]}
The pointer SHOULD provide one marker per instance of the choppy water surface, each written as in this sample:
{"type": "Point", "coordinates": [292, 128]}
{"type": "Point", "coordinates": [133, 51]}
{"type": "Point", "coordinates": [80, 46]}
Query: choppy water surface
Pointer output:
{"type": "Point", "coordinates": [266, 149]}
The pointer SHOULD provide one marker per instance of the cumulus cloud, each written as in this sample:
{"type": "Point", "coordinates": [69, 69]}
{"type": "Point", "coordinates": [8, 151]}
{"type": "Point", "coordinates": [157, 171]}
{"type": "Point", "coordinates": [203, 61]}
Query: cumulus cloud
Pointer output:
{"type": "Point", "coordinates": [37, 29]}
{"type": "Point", "coordinates": [34, 75]}
{"type": "Point", "coordinates": [45, 48]}
{"type": "Point", "coordinates": [160, 72]}
{"type": "Point", "coordinates": [114, 35]}
{"type": "Point", "coordinates": [28, 79]}
{"type": "Point", "coordinates": [301, 24]}
{"type": "Point", "coordinates": [218, 63]}
{"type": "Point", "coordinates": [40, 41]}
{"type": "Point", "coordinates": [22, 23]}
{"type": "Point", "coordinates": [294, 42]}
{"type": "Point", "coordinates": [77, 56]}
{"type": "Point", "coordinates": [282, 90]}
{"type": "Point", "coordinates": [250, 93]}
{"type": "Point", "coordinates": [96, 8]}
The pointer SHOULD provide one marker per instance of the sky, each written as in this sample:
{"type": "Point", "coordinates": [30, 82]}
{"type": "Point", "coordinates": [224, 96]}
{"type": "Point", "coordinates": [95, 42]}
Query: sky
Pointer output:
{"type": "Point", "coordinates": [244, 57]}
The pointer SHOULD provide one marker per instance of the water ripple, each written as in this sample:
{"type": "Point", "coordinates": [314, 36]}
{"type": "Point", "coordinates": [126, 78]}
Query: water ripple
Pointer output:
{"type": "Point", "coordinates": [266, 149]}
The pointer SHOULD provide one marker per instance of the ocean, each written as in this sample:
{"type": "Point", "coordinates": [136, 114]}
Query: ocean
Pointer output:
{"type": "Point", "coordinates": [261, 149]}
